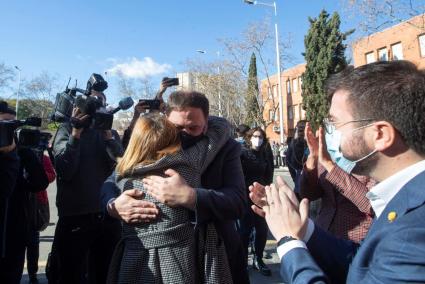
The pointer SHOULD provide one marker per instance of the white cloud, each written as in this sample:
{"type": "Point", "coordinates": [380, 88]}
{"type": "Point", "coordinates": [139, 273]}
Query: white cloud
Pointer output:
{"type": "Point", "coordinates": [135, 68]}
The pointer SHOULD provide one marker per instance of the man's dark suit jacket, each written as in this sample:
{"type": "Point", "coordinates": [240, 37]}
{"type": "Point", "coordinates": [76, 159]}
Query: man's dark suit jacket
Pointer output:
{"type": "Point", "coordinates": [222, 200]}
{"type": "Point", "coordinates": [392, 252]}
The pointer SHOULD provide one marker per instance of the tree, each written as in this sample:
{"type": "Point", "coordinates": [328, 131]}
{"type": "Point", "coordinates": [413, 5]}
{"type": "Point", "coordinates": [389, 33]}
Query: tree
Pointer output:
{"type": "Point", "coordinates": [378, 14]}
{"type": "Point", "coordinates": [229, 82]}
{"type": "Point", "coordinates": [7, 75]}
{"type": "Point", "coordinates": [38, 97]}
{"type": "Point", "coordinates": [254, 115]}
{"type": "Point", "coordinates": [324, 55]}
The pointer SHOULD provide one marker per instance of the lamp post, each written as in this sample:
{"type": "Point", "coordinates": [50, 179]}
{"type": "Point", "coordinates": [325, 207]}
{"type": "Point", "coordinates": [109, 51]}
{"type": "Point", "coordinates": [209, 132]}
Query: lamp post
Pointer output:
{"type": "Point", "coordinates": [19, 90]}
{"type": "Point", "coordinates": [218, 72]}
{"type": "Point", "coordinates": [251, 2]}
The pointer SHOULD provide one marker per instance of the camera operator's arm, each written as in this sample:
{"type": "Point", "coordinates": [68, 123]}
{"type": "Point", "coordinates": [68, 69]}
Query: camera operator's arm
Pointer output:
{"type": "Point", "coordinates": [9, 168]}
{"type": "Point", "coordinates": [35, 178]}
{"type": "Point", "coordinates": [113, 146]}
{"type": "Point", "coordinates": [66, 147]}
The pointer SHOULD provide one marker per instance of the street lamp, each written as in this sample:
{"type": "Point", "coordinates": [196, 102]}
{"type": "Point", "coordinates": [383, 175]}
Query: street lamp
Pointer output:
{"type": "Point", "coordinates": [218, 72]}
{"type": "Point", "coordinates": [251, 2]}
{"type": "Point", "coordinates": [19, 90]}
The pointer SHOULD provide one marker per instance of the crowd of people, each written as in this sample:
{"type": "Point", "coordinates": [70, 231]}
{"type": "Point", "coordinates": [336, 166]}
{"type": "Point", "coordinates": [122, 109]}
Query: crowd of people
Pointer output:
{"type": "Point", "coordinates": [181, 199]}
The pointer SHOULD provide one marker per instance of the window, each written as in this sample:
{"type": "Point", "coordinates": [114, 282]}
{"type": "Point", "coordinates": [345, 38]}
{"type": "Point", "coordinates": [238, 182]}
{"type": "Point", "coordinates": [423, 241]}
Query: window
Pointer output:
{"type": "Point", "coordinates": [288, 87]}
{"type": "Point", "coordinates": [269, 92]}
{"type": "Point", "coordinates": [296, 113]}
{"type": "Point", "coordinates": [290, 113]}
{"type": "Point", "coordinates": [276, 115]}
{"type": "Point", "coordinates": [422, 44]}
{"type": "Point", "coordinates": [383, 54]}
{"type": "Point", "coordinates": [270, 114]}
{"type": "Point", "coordinates": [295, 85]}
{"type": "Point", "coordinates": [370, 57]}
{"type": "Point", "coordinates": [397, 51]}
{"type": "Point", "coordinates": [275, 91]}
{"type": "Point", "coordinates": [300, 81]}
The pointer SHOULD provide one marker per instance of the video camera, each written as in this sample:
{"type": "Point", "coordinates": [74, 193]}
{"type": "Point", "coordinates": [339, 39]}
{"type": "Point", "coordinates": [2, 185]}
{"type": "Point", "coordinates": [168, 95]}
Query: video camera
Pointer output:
{"type": "Point", "coordinates": [28, 137]}
{"type": "Point", "coordinates": [93, 106]}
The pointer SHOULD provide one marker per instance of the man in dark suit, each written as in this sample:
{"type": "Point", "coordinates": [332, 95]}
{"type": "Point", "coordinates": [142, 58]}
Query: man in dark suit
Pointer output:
{"type": "Point", "coordinates": [222, 198]}
{"type": "Point", "coordinates": [378, 110]}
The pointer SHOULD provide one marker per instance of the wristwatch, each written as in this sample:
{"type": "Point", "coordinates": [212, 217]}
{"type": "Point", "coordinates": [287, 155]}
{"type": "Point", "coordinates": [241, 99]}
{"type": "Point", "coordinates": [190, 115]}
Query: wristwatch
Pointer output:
{"type": "Point", "coordinates": [285, 239]}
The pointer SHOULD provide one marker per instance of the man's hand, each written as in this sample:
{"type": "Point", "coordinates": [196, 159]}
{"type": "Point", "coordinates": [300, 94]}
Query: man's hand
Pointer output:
{"type": "Point", "coordinates": [131, 209]}
{"type": "Point", "coordinates": [107, 135]}
{"type": "Point", "coordinates": [318, 150]}
{"type": "Point", "coordinates": [172, 190]}
{"type": "Point", "coordinates": [7, 149]}
{"type": "Point", "coordinates": [257, 194]}
{"type": "Point", "coordinates": [284, 215]}
{"type": "Point", "coordinates": [79, 118]}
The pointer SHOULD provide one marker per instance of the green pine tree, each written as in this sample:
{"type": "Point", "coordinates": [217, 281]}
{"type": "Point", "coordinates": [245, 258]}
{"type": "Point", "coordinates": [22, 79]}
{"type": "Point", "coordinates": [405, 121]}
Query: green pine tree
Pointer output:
{"type": "Point", "coordinates": [253, 113]}
{"type": "Point", "coordinates": [324, 55]}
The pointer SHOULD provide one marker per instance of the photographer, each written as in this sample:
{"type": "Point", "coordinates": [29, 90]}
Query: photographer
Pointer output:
{"type": "Point", "coordinates": [84, 158]}
{"type": "Point", "coordinates": [14, 216]}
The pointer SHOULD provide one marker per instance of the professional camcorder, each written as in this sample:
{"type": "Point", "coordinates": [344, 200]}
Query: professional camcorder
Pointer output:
{"type": "Point", "coordinates": [88, 104]}
{"type": "Point", "coordinates": [29, 137]}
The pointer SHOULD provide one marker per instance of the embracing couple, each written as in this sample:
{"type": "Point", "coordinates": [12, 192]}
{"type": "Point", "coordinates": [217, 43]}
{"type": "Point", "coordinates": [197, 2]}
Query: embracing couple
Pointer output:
{"type": "Point", "coordinates": [178, 190]}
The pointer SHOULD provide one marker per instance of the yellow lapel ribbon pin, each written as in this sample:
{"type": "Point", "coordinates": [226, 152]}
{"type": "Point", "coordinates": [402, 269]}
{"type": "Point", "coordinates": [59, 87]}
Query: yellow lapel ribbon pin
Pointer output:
{"type": "Point", "coordinates": [391, 216]}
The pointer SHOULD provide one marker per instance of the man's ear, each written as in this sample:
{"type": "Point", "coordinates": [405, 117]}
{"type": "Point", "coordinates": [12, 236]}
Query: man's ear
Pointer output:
{"type": "Point", "coordinates": [205, 127]}
{"type": "Point", "coordinates": [384, 136]}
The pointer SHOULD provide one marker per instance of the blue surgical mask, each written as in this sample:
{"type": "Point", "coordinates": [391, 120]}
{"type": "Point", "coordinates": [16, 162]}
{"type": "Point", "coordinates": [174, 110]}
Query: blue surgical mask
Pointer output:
{"type": "Point", "coordinates": [333, 142]}
{"type": "Point", "coordinates": [240, 140]}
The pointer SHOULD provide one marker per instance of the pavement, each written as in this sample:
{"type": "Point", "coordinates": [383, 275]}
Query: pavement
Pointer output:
{"type": "Point", "coordinates": [46, 239]}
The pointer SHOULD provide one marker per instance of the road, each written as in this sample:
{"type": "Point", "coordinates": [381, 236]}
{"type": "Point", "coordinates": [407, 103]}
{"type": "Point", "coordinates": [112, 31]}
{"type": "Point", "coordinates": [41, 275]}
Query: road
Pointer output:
{"type": "Point", "coordinates": [46, 238]}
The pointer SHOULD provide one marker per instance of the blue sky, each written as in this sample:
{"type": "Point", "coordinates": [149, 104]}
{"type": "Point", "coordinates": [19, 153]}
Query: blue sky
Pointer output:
{"type": "Point", "coordinates": [76, 38]}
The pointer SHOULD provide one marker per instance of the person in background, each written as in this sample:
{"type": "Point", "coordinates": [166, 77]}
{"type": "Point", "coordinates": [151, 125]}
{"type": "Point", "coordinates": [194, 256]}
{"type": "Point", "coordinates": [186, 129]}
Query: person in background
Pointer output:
{"type": "Point", "coordinates": [33, 245]}
{"type": "Point", "coordinates": [241, 131]}
{"type": "Point", "coordinates": [256, 167]}
{"type": "Point", "coordinates": [297, 154]}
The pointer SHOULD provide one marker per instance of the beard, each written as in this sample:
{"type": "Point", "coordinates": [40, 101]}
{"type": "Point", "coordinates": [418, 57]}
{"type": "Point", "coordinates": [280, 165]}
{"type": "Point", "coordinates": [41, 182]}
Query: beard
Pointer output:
{"type": "Point", "coordinates": [359, 150]}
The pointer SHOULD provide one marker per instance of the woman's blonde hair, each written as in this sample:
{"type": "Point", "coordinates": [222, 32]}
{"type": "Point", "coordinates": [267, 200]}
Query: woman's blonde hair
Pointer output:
{"type": "Point", "coordinates": [153, 137]}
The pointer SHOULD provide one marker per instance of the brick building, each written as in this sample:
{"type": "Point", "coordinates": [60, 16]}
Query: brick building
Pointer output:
{"type": "Point", "coordinates": [402, 41]}
{"type": "Point", "coordinates": [292, 101]}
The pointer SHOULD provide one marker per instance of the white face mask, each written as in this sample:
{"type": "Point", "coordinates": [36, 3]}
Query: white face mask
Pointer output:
{"type": "Point", "coordinates": [256, 142]}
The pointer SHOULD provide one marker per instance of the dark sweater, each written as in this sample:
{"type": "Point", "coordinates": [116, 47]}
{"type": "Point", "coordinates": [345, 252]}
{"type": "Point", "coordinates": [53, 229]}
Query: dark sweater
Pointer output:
{"type": "Point", "coordinates": [82, 165]}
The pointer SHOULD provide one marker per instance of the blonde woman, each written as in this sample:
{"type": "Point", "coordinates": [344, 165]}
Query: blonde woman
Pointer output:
{"type": "Point", "coordinates": [168, 249]}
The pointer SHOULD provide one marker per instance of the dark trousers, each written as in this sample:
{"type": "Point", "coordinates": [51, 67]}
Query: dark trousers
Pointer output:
{"type": "Point", "coordinates": [33, 247]}
{"type": "Point", "coordinates": [84, 244]}
{"type": "Point", "coordinates": [13, 258]}
{"type": "Point", "coordinates": [249, 222]}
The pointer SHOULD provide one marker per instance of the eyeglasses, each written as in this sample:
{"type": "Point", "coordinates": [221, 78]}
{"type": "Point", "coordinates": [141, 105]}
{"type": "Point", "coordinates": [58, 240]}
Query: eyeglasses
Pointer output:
{"type": "Point", "coordinates": [330, 126]}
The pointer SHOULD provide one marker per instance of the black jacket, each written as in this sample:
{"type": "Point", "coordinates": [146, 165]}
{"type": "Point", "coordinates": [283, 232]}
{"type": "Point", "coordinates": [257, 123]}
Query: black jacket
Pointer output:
{"type": "Point", "coordinates": [31, 177]}
{"type": "Point", "coordinates": [82, 166]}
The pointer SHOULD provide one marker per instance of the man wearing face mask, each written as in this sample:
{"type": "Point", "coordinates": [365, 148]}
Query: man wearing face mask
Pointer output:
{"type": "Point", "coordinates": [345, 211]}
{"type": "Point", "coordinates": [84, 158]}
{"type": "Point", "coordinates": [222, 199]}
{"type": "Point", "coordinates": [256, 168]}
{"type": "Point", "coordinates": [378, 109]}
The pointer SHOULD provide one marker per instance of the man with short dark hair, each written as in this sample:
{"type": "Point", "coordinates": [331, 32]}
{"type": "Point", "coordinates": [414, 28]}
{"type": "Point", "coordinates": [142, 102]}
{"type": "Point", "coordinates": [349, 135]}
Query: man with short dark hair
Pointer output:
{"type": "Point", "coordinates": [378, 110]}
{"type": "Point", "coordinates": [222, 198]}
